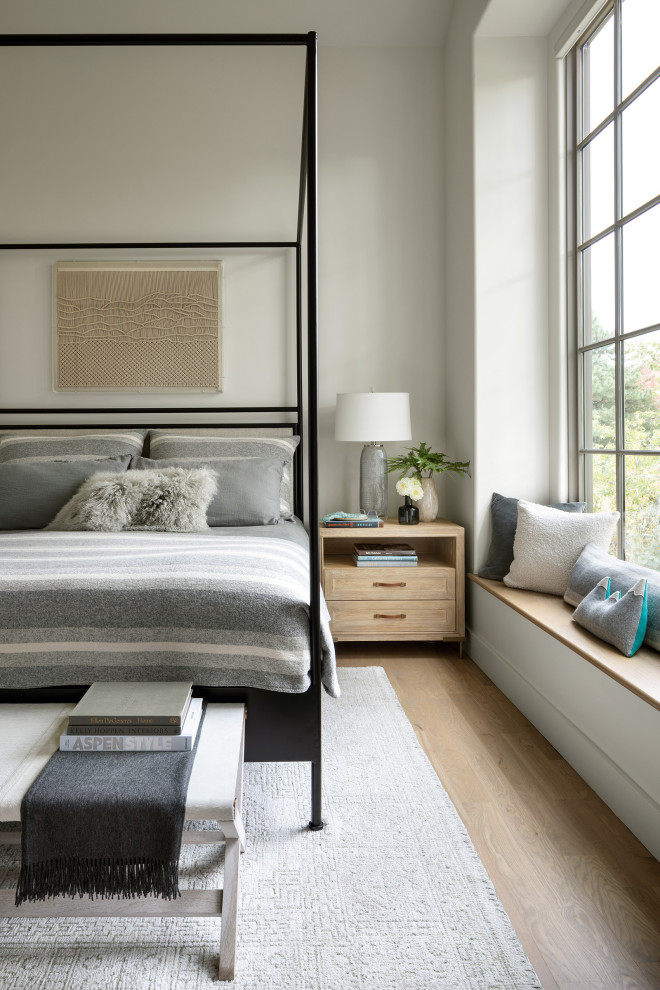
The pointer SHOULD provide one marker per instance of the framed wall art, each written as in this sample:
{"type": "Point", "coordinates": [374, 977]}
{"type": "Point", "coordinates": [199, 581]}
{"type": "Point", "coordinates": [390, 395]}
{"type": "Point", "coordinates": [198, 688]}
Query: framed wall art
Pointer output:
{"type": "Point", "coordinates": [137, 326]}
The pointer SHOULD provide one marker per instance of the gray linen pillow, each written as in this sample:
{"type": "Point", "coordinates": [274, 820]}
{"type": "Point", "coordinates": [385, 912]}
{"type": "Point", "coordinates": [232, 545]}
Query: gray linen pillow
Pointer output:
{"type": "Point", "coordinates": [594, 563]}
{"type": "Point", "coordinates": [32, 494]}
{"type": "Point", "coordinates": [618, 620]}
{"type": "Point", "coordinates": [504, 518]}
{"type": "Point", "coordinates": [247, 492]}
{"type": "Point", "coordinates": [173, 500]}
{"type": "Point", "coordinates": [168, 445]}
{"type": "Point", "coordinates": [70, 445]}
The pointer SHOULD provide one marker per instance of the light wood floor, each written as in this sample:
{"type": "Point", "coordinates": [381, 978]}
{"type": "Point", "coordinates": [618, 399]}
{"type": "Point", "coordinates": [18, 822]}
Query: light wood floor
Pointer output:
{"type": "Point", "coordinates": [582, 892]}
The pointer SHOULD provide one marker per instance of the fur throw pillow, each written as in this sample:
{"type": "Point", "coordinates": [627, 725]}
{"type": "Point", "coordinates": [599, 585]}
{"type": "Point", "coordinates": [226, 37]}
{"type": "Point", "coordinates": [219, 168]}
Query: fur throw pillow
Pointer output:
{"type": "Point", "coordinates": [172, 500]}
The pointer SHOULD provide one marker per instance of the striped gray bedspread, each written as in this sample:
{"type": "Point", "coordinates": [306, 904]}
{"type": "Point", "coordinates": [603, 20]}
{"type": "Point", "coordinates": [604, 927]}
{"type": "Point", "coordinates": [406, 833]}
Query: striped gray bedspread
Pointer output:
{"type": "Point", "coordinates": [225, 608]}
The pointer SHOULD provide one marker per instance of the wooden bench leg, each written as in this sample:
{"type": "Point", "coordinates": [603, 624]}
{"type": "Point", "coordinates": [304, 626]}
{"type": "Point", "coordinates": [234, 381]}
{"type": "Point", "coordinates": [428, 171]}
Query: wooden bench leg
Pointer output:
{"type": "Point", "coordinates": [229, 906]}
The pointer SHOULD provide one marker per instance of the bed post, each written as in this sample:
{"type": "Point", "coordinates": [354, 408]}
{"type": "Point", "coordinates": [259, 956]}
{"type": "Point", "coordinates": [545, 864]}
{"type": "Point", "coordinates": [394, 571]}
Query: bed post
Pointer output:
{"type": "Point", "coordinates": [311, 167]}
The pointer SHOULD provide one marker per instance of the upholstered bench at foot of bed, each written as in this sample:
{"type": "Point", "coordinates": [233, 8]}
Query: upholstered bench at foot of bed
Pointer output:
{"type": "Point", "coordinates": [29, 735]}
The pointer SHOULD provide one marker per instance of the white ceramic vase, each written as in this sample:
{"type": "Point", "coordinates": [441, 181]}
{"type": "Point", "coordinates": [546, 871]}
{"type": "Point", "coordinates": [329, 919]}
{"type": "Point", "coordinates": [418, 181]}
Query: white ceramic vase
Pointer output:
{"type": "Point", "coordinates": [428, 504]}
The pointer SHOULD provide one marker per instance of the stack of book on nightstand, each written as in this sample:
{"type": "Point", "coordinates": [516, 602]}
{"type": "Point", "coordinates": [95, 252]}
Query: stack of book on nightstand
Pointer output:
{"type": "Point", "coordinates": [112, 717]}
{"type": "Point", "coordinates": [351, 520]}
{"type": "Point", "coordinates": [384, 555]}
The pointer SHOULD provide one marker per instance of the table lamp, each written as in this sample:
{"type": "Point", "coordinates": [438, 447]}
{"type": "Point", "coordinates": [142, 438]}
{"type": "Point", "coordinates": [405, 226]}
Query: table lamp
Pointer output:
{"type": "Point", "coordinates": [372, 417]}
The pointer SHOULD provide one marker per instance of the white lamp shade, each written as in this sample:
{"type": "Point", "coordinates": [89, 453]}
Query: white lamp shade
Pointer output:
{"type": "Point", "coordinates": [372, 416]}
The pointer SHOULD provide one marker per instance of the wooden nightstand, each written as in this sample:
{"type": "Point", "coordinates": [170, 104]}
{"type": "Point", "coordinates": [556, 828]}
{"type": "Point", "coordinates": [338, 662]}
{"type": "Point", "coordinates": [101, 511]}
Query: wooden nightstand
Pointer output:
{"type": "Point", "coordinates": [426, 602]}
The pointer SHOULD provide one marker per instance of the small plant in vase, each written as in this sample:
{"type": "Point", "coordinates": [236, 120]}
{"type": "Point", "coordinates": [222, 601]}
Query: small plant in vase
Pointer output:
{"type": "Point", "coordinates": [423, 463]}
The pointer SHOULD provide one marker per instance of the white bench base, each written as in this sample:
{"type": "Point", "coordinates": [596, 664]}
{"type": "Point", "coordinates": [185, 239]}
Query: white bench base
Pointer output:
{"type": "Point", "coordinates": [214, 794]}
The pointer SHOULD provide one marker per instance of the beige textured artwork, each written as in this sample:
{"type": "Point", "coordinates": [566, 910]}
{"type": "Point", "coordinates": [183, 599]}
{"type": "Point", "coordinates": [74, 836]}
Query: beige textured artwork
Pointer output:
{"type": "Point", "coordinates": [137, 327]}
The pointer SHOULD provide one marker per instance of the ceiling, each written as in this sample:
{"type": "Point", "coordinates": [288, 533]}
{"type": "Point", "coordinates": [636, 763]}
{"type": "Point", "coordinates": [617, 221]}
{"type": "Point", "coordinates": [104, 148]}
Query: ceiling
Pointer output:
{"type": "Point", "coordinates": [521, 18]}
{"type": "Point", "coordinates": [338, 22]}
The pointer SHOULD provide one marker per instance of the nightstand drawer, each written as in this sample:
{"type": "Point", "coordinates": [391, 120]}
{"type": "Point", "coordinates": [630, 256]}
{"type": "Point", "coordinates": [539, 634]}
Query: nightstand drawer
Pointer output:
{"type": "Point", "coordinates": [391, 617]}
{"type": "Point", "coordinates": [345, 581]}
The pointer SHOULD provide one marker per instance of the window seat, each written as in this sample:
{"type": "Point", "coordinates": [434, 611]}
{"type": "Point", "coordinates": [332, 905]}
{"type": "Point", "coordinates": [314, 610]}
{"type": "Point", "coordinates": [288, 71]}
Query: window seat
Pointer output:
{"type": "Point", "coordinates": [599, 709]}
{"type": "Point", "coordinates": [639, 673]}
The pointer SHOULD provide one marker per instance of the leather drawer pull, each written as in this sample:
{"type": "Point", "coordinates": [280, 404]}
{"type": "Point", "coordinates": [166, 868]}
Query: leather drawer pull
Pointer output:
{"type": "Point", "coordinates": [389, 584]}
{"type": "Point", "coordinates": [379, 615]}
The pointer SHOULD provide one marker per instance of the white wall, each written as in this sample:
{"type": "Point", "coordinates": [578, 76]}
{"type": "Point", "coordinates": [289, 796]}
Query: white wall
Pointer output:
{"type": "Point", "coordinates": [511, 262]}
{"type": "Point", "coordinates": [460, 312]}
{"type": "Point", "coordinates": [504, 391]}
{"type": "Point", "coordinates": [142, 144]}
{"type": "Point", "coordinates": [380, 246]}
{"type": "Point", "coordinates": [128, 144]}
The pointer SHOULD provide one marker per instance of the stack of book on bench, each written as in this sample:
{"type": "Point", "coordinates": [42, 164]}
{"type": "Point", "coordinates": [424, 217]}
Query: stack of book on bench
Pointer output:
{"type": "Point", "coordinates": [112, 717]}
{"type": "Point", "coordinates": [384, 555]}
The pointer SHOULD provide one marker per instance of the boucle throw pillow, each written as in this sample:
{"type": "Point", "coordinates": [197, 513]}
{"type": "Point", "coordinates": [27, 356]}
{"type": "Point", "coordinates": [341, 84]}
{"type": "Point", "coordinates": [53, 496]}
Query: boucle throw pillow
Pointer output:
{"type": "Point", "coordinates": [170, 500]}
{"type": "Point", "coordinates": [548, 542]}
{"type": "Point", "coordinates": [504, 519]}
{"type": "Point", "coordinates": [619, 621]}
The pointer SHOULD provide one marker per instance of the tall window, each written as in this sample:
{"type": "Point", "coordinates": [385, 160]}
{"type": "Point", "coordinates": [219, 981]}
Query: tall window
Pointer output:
{"type": "Point", "coordinates": [618, 270]}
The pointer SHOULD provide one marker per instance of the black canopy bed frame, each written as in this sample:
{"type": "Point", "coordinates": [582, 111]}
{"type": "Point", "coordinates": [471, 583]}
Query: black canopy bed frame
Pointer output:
{"type": "Point", "coordinates": [280, 726]}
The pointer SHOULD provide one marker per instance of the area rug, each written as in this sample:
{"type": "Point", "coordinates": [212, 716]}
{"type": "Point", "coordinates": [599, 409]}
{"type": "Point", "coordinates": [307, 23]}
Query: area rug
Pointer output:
{"type": "Point", "coordinates": [391, 894]}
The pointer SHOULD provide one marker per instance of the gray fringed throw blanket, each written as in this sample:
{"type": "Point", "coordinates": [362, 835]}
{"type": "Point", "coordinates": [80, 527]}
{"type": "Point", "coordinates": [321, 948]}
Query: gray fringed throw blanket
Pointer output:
{"type": "Point", "coordinates": [104, 824]}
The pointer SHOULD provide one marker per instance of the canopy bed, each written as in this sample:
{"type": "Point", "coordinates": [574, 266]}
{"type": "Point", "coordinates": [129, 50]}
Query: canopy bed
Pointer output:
{"type": "Point", "coordinates": [283, 714]}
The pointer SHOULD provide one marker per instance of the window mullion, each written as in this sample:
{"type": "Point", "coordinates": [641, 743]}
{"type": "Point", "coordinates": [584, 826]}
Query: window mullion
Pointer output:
{"type": "Point", "coordinates": [618, 285]}
{"type": "Point", "coordinates": [575, 80]}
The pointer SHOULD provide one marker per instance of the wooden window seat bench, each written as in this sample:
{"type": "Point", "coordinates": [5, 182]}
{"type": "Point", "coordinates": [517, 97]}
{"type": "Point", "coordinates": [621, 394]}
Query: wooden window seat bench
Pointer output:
{"type": "Point", "coordinates": [599, 709]}
{"type": "Point", "coordinates": [639, 673]}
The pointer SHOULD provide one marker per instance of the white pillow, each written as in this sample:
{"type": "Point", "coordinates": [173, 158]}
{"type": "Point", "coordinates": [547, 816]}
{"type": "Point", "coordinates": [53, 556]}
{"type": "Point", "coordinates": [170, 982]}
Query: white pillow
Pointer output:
{"type": "Point", "coordinates": [549, 541]}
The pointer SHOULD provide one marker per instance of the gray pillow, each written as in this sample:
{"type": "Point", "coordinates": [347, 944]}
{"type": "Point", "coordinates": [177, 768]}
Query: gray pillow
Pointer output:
{"type": "Point", "coordinates": [70, 445]}
{"type": "Point", "coordinates": [32, 494]}
{"type": "Point", "coordinates": [504, 518]}
{"type": "Point", "coordinates": [248, 488]}
{"type": "Point", "coordinates": [594, 564]}
{"type": "Point", "coordinates": [618, 620]}
{"type": "Point", "coordinates": [174, 500]}
{"type": "Point", "coordinates": [168, 444]}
